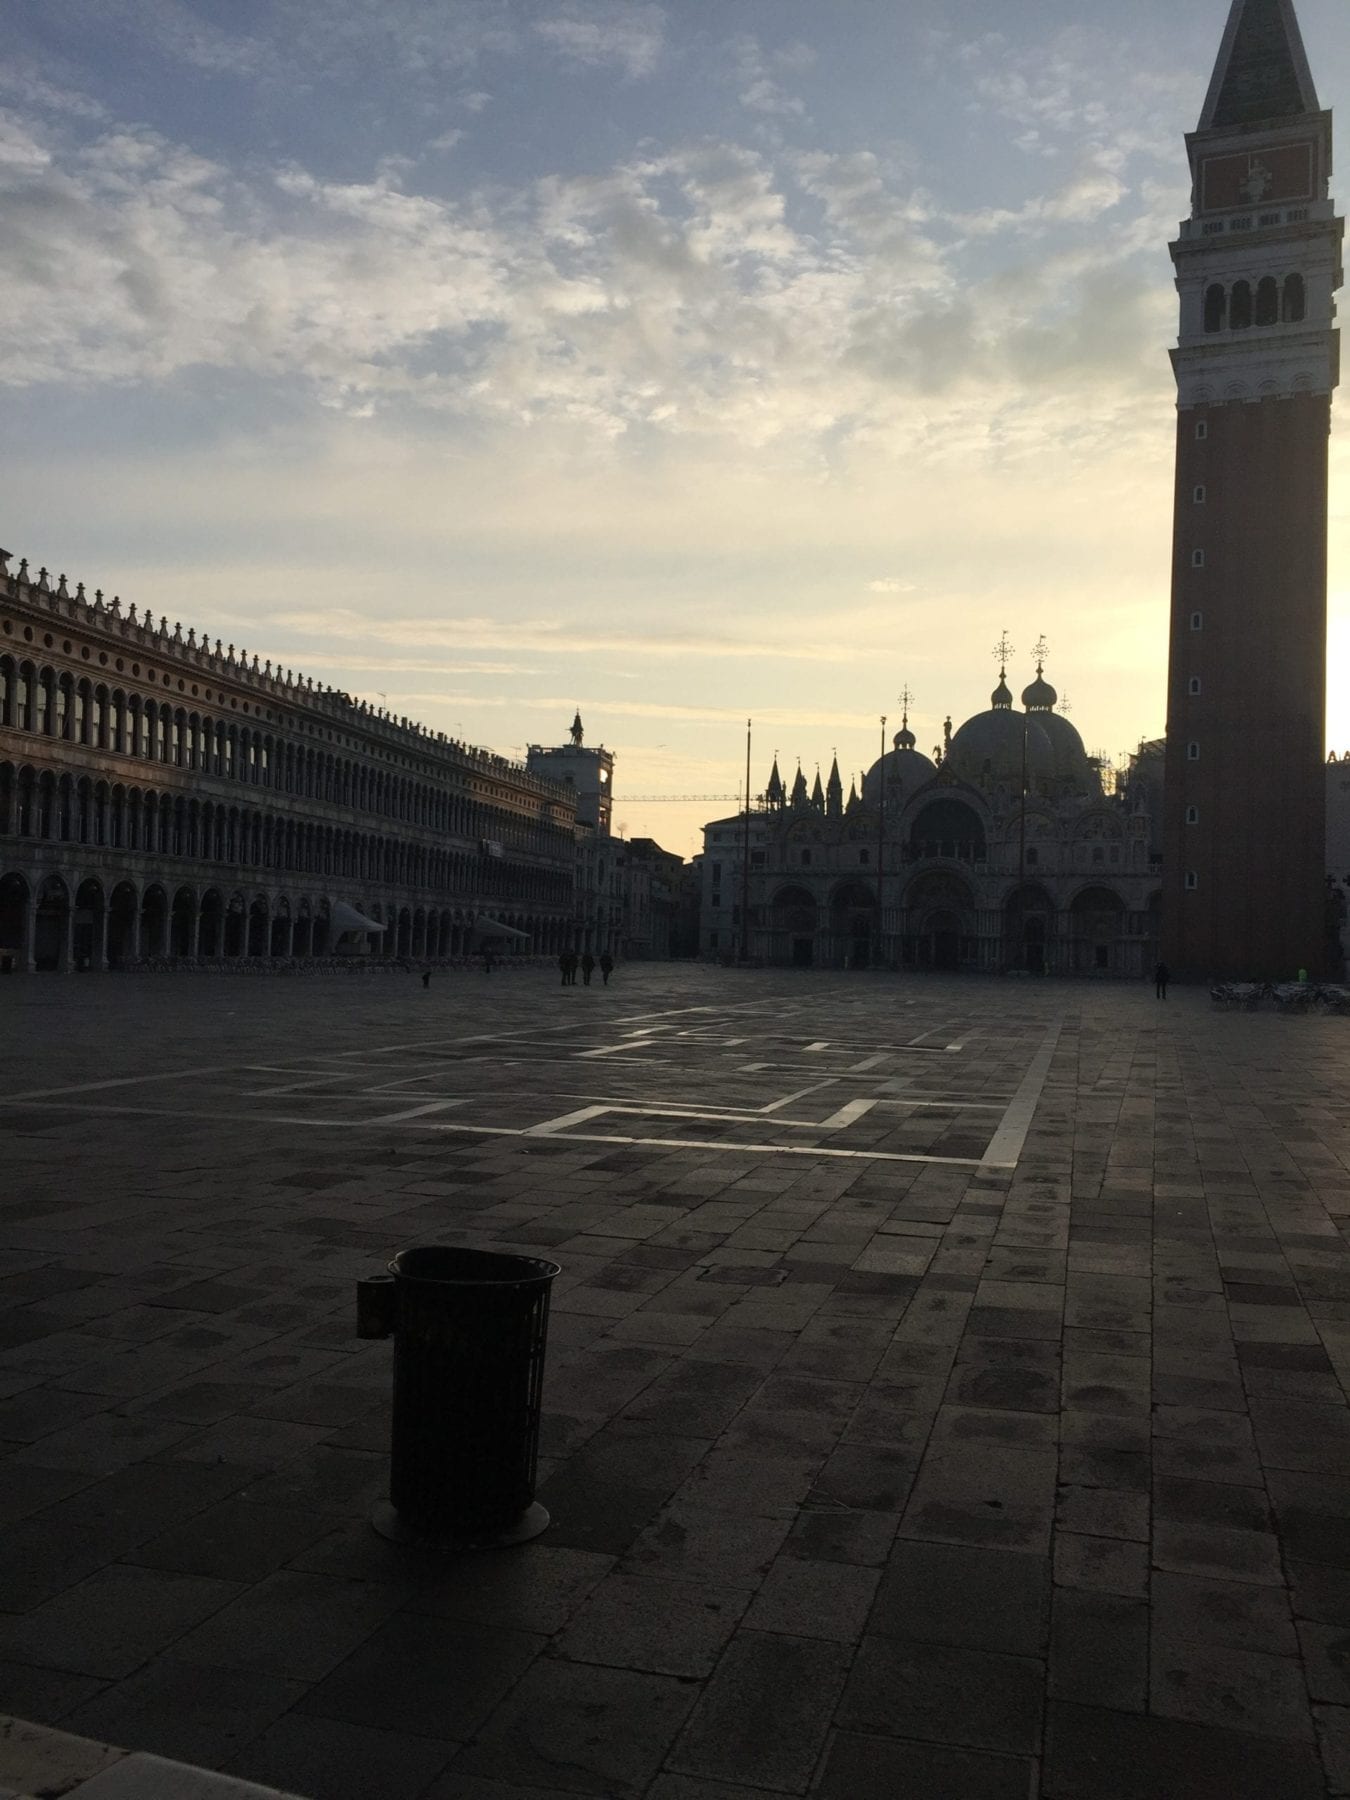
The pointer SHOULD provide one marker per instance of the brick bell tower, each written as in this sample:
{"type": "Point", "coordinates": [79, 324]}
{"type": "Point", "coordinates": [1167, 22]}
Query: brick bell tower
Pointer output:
{"type": "Point", "coordinates": [1258, 263]}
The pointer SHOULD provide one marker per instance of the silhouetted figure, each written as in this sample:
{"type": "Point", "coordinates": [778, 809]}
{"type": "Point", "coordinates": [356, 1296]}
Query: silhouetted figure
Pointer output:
{"type": "Point", "coordinates": [607, 966]}
{"type": "Point", "coordinates": [488, 960]}
{"type": "Point", "coordinates": [562, 964]}
{"type": "Point", "coordinates": [426, 978]}
{"type": "Point", "coordinates": [587, 968]}
{"type": "Point", "coordinates": [1161, 977]}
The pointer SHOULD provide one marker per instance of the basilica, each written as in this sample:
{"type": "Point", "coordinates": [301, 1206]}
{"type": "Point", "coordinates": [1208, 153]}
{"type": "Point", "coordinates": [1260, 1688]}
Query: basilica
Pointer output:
{"type": "Point", "coordinates": [1009, 848]}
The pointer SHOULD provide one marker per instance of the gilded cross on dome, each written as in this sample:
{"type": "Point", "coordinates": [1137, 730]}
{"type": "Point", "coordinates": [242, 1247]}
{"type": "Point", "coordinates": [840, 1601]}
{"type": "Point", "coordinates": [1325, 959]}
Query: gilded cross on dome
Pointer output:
{"type": "Point", "coordinates": [906, 701]}
{"type": "Point", "coordinates": [1002, 651]}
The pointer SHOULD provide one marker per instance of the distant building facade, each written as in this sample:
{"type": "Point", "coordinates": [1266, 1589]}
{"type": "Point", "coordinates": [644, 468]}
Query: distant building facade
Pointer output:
{"type": "Point", "coordinates": [1004, 851]}
{"type": "Point", "coordinates": [160, 798]}
{"type": "Point", "coordinates": [587, 769]}
{"type": "Point", "coordinates": [1258, 264]}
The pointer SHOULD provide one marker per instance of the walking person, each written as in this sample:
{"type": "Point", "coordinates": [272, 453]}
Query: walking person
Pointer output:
{"type": "Point", "coordinates": [1161, 977]}
{"type": "Point", "coordinates": [426, 978]}
{"type": "Point", "coordinates": [607, 966]}
{"type": "Point", "coordinates": [587, 968]}
{"type": "Point", "coordinates": [562, 964]}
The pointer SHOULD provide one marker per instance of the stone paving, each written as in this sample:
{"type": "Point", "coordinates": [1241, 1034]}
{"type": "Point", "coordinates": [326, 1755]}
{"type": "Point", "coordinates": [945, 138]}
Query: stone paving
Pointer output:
{"type": "Point", "coordinates": [946, 1393]}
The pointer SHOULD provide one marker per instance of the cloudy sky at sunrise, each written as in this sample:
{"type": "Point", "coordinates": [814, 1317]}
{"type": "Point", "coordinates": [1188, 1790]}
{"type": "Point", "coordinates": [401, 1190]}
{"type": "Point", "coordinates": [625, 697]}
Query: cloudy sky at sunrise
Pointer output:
{"type": "Point", "coordinates": [684, 362]}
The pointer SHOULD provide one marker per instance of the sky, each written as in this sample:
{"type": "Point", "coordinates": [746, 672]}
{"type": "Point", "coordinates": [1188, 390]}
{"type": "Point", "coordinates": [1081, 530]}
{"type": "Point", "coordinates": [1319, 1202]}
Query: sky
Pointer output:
{"type": "Point", "coordinates": [684, 363]}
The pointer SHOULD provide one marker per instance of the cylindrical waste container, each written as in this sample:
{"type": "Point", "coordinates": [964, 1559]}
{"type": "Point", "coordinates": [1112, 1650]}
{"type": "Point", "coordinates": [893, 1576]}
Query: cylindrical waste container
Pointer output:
{"type": "Point", "coordinates": [470, 1328]}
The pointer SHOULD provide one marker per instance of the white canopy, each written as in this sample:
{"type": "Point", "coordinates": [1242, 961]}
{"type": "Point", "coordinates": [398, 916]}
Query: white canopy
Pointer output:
{"type": "Point", "coordinates": [495, 928]}
{"type": "Point", "coordinates": [346, 918]}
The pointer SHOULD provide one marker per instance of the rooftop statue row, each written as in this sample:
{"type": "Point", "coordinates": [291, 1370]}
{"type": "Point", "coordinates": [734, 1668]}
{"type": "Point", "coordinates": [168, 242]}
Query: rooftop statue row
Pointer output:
{"type": "Point", "coordinates": [225, 659]}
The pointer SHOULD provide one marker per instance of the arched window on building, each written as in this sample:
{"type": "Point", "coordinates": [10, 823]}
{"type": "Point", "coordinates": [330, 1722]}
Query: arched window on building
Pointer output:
{"type": "Point", "coordinates": [1240, 312]}
{"type": "Point", "coordinates": [1268, 301]}
{"type": "Point", "coordinates": [1295, 304]}
{"type": "Point", "coordinates": [1216, 305]}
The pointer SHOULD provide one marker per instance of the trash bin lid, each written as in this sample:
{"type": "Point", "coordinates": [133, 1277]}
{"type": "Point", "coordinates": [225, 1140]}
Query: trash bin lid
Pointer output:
{"type": "Point", "coordinates": [445, 1264]}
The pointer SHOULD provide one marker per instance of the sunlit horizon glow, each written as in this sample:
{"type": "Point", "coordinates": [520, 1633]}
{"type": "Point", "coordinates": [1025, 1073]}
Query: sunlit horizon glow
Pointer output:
{"type": "Point", "coordinates": [684, 365]}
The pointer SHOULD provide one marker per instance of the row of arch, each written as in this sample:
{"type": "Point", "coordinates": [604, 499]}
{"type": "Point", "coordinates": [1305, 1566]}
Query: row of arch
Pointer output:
{"type": "Point", "coordinates": [1242, 305]}
{"type": "Point", "coordinates": [66, 921]}
{"type": "Point", "coordinates": [939, 924]}
{"type": "Point", "coordinates": [44, 701]}
{"type": "Point", "coordinates": [52, 808]}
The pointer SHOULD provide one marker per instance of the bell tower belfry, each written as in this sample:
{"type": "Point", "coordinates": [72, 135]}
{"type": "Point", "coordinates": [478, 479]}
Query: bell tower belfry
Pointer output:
{"type": "Point", "coordinates": [1258, 263]}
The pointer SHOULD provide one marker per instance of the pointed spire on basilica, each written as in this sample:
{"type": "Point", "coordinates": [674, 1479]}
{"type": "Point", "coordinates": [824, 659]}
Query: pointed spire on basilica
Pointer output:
{"type": "Point", "coordinates": [818, 793]}
{"type": "Point", "coordinates": [800, 796]}
{"type": "Point", "coordinates": [852, 803]}
{"type": "Point", "coordinates": [578, 731]}
{"type": "Point", "coordinates": [834, 791]}
{"type": "Point", "coordinates": [1262, 72]}
{"type": "Point", "coordinates": [775, 793]}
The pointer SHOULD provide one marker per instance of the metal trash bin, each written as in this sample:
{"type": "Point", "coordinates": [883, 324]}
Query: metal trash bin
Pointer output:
{"type": "Point", "coordinates": [470, 1329]}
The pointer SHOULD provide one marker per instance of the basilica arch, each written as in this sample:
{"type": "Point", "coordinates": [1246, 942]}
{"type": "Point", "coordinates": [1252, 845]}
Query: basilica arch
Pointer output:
{"type": "Point", "coordinates": [1096, 932]}
{"type": "Point", "coordinates": [939, 926]}
{"type": "Point", "coordinates": [1030, 934]}
{"type": "Point", "coordinates": [853, 926]}
{"type": "Point", "coordinates": [794, 916]}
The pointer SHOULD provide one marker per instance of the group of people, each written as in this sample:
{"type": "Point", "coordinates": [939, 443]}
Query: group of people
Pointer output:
{"type": "Point", "coordinates": [569, 962]}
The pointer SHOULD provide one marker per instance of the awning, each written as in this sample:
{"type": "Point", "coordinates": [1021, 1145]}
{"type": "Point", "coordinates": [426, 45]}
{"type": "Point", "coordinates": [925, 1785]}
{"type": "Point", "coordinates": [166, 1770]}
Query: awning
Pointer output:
{"type": "Point", "coordinates": [345, 918]}
{"type": "Point", "coordinates": [495, 928]}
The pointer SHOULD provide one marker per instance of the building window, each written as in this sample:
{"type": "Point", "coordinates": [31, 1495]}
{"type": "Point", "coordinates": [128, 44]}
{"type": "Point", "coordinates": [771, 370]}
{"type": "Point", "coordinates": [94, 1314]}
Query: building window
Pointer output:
{"type": "Point", "coordinates": [756, 859]}
{"type": "Point", "coordinates": [1193, 685]}
{"type": "Point", "coordinates": [864, 856]}
{"type": "Point", "coordinates": [1295, 302]}
{"type": "Point", "coordinates": [1098, 854]}
{"type": "Point", "coordinates": [806, 859]}
{"type": "Point", "coordinates": [1216, 305]}
{"type": "Point", "coordinates": [1033, 857]}
{"type": "Point", "coordinates": [1192, 881]}
{"type": "Point", "coordinates": [1197, 621]}
{"type": "Point", "coordinates": [1240, 310]}
{"type": "Point", "coordinates": [1201, 430]}
{"type": "Point", "coordinates": [1192, 751]}
{"type": "Point", "coordinates": [1267, 301]}
{"type": "Point", "coordinates": [717, 871]}
{"type": "Point", "coordinates": [1199, 496]}
{"type": "Point", "coordinates": [1197, 559]}
{"type": "Point", "coordinates": [1192, 815]}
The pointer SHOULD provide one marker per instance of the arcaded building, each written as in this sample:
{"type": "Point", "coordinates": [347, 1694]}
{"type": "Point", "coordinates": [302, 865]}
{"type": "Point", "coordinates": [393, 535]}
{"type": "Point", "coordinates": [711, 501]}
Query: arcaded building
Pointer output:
{"type": "Point", "coordinates": [161, 798]}
{"type": "Point", "coordinates": [1002, 851]}
{"type": "Point", "coordinates": [1258, 265]}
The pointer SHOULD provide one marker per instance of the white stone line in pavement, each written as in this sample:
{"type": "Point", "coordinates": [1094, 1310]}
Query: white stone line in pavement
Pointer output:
{"type": "Point", "coordinates": [582, 1116]}
{"type": "Point", "coordinates": [92, 1087]}
{"type": "Point", "coordinates": [457, 1128]}
{"type": "Point", "coordinates": [848, 1114]}
{"type": "Point", "coordinates": [1005, 1147]}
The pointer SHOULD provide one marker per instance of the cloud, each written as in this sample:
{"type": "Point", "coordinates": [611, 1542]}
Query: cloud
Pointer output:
{"type": "Point", "coordinates": [561, 636]}
{"type": "Point", "coordinates": [599, 34]}
{"type": "Point", "coordinates": [756, 77]}
{"type": "Point", "coordinates": [890, 584]}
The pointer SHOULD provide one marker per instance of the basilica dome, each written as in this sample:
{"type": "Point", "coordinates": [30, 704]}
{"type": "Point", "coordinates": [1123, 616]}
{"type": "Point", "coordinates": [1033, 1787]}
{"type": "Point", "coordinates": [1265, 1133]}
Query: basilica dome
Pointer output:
{"type": "Point", "coordinates": [903, 769]}
{"type": "Point", "coordinates": [989, 746]}
{"type": "Point", "coordinates": [1072, 767]}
